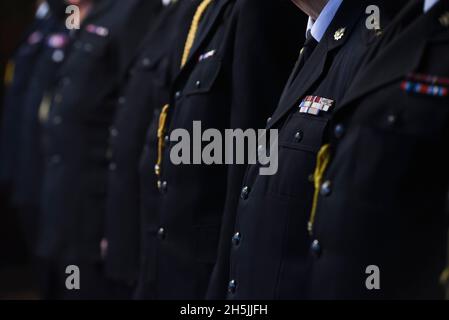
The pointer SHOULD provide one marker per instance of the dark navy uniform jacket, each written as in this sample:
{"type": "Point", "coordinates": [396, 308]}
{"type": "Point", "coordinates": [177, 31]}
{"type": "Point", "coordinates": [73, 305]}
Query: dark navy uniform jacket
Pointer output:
{"type": "Point", "coordinates": [144, 92]}
{"type": "Point", "coordinates": [24, 61]}
{"type": "Point", "coordinates": [77, 129]}
{"type": "Point", "coordinates": [29, 163]}
{"type": "Point", "coordinates": [236, 70]}
{"type": "Point", "coordinates": [265, 246]}
{"type": "Point", "coordinates": [388, 177]}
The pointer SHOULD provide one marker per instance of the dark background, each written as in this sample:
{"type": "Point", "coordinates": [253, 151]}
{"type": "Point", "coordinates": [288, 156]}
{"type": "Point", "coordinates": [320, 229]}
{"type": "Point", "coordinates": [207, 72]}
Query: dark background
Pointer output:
{"type": "Point", "coordinates": [15, 274]}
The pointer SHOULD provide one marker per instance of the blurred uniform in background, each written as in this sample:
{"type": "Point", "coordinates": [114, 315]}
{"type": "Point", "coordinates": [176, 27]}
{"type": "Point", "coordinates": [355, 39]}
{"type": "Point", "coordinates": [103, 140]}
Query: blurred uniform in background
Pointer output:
{"type": "Point", "coordinates": [234, 64]}
{"type": "Point", "coordinates": [265, 245]}
{"type": "Point", "coordinates": [30, 72]}
{"type": "Point", "coordinates": [17, 79]}
{"type": "Point", "coordinates": [29, 166]}
{"type": "Point", "coordinates": [144, 91]}
{"type": "Point", "coordinates": [77, 120]}
{"type": "Point", "coordinates": [381, 219]}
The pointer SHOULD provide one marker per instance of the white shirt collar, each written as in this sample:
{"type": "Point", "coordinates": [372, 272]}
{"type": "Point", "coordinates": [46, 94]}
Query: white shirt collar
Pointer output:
{"type": "Point", "coordinates": [318, 28]}
{"type": "Point", "coordinates": [42, 10]}
{"type": "Point", "coordinates": [428, 4]}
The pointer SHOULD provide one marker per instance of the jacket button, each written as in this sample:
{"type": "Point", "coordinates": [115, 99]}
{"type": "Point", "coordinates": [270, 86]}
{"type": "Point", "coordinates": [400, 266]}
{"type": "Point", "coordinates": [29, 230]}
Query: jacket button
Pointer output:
{"type": "Point", "coordinates": [114, 132]}
{"type": "Point", "coordinates": [57, 120]}
{"type": "Point", "coordinates": [58, 56]}
{"type": "Point", "coordinates": [112, 166]}
{"type": "Point", "coordinates": [161, 234]}
{"type": "Point", "coordinates": [163, 186]}
{"type": "Point", "coordinates": [315, 248]}
{"type": "Point", "coordinates": [198, 84]}
{"type": "Point", "coordinates": [298, 136]}
{"type": "Point", "coordinates": [326, 189]}
{"type": "Point", "coordinates": [232, 286]}
{"type": "Point", "coordinates": [339, 131]}
{"type": "Point", "coordinates": [392, 119]}
{"type": "Point", "coordinates": [245, 193]}
{"type": "Point", "coordinates": [178, 94]}
{"type": "Point", "coordinates": [268, 120]}
{"type": "Point", "coordinates": [166, 140]}
{"type": "Point", "coordinates": [236, 239]}
{"type": "Point", "coordinates": [121, 100]}
{"type": "Point", "coordinates": [55, 159]}
{"type": "Point", "coordinates": [146, 62]}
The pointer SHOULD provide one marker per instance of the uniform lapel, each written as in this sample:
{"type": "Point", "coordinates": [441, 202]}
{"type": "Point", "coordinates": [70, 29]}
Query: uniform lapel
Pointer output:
{"type": "Point", "coordinates": [401, 56]}
{"type": "Point", "coordinates": [217, 9]}
{"type": "Point", "coordinates": [346, 17]}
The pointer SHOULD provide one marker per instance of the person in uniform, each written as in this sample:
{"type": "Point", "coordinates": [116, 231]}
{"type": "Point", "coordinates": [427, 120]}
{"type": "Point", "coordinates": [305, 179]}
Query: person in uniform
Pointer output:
{"type": "Point", "coordinates": [234, 64]}
{"type": "Point", "coordinates": [265, 245]}
{"type": "Point", "coordinates": [28, 178]}
{"type": "Point", "coordinates": [379, 223]}
{"type": "Point", "coordinates": [144, 91]}
{"type": "Point", "coordinates": [17, 79]}
{"type": "Point", "coordinates": [76, 130]}
{"type": "Point", "coordinates": [27, 181]}
{"type": "Point", "coordinates": [34, 69]}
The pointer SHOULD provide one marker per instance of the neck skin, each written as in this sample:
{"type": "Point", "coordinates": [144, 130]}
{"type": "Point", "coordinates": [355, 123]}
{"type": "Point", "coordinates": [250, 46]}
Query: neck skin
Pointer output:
{"type": "Point", "coordinates": [85, 7]}
{"type": "Point", "coordinates": [312, 8]}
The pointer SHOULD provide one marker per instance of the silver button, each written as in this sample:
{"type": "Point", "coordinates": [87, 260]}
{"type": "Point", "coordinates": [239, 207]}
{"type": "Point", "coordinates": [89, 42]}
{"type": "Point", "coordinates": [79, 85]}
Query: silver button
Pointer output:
{"type": "Point", "coordinates": [326, 189]}
{"type": "Point", "coordinates": [315, 248]}
{"type": "Point", "coordinates": [298, 136]}
{"type": "Point", "coordinates": [161, 234]}
{"type": "Point", "coordinates": [236, 239]}
{"type": "Point", "coordinates": [232, 286]}
{"type": "Point", "coordinates": [245, 193]}
{"type": "Point", "coordinates": [58, 56]}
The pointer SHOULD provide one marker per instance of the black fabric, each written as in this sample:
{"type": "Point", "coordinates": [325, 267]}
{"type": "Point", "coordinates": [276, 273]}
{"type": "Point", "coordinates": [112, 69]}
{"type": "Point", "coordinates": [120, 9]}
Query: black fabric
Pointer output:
{"type": "Point", "coordinates": [235, 87]}
{"type": "Point", "coordinates": [24, 60]}
{"type": "Point", "coordinates": [144, 91]}
{"type": "Point", "coordinates": [389, 174]}
{"type": "Point", "coordinates": [271, 260]}
{"type": "Point", "coordinates": [75, 148]}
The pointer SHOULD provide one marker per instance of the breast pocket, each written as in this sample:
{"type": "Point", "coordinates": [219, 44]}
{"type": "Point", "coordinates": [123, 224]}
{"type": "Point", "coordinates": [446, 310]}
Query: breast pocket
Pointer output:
{"type": "Point", "coordinates": [303, 132]}
{"type": "Point", "coordinates": [299, 142]}
{"type": "Point", "coordinates": [416, 115]}
{"type": "Point", "coordinates": [156, 66]}
{"type": "Point", "coordinates": [422, 116]}
{"type": "Point", "coordinates": [203, 77]}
